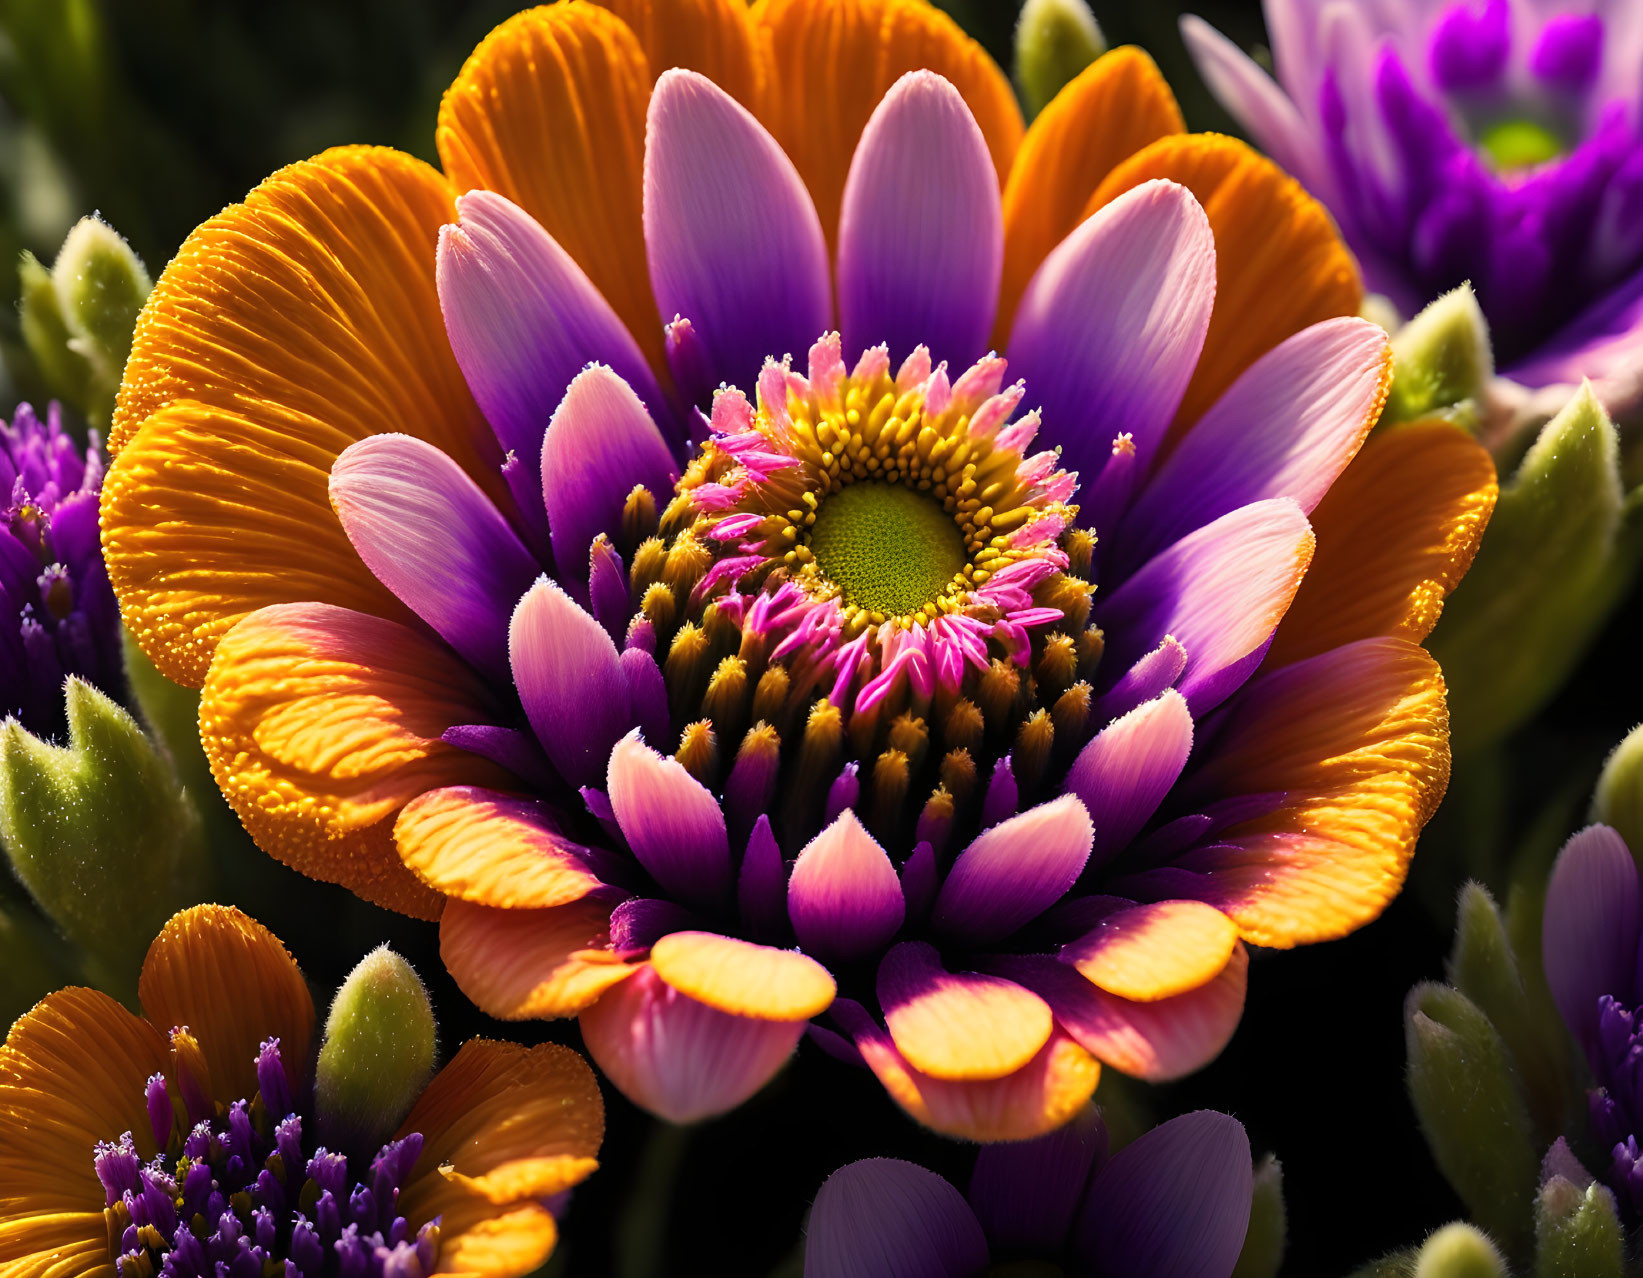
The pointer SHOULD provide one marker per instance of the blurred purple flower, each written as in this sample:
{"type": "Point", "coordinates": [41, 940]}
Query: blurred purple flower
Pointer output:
{"type": "Point", "coordinates": [57, 611]}
{"type": "Point", "coordinates": [1175, 1201]}
{"type": "Point", "coordinates": [1498, 142]}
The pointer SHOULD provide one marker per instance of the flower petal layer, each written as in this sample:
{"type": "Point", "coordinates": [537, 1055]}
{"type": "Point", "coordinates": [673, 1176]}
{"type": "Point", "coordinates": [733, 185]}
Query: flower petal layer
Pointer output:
{"type": "Point", "coordinates": [1114, 107]}
{"type": "Point", "coordinates": [1127, 768]}
{"type": "Point", "coordinates": [1279, 261]}
{"type": "Point", "coordinates": [716, 37]}
{"type": "Point", "coordinates": [680, 1059]}
{"type": "Point", "coordinates": [892, 1219]}
{"type": "Point", "coordinates": [321, 723]}
{"type": "Point", "coordinates": [285, 329]}
{"type": "Point", "coordinates": [1395, 534]}
{"type": "Point", "coordinates": [671, 821]}
{"type": "Point", "coordinates": [921, 238]}
{"type": "Point", "coordinates": [742, 978]}
{"type": "Point", "coordinates": [502, 126]}
{"type": "Point", "coordinates": [1014, 871]}
{"type": "Point", "coordinates": [492, 849]}
{"type": "Point", "coordinates": [1593, 919]}
{"type": "Point", "coordinates": [1154, 951]}
{"type": "Point", "coordinates": [229, 980]}
{"type": "Point", "coordinates": [843, 896]}
{"type": "Point", "coordinates": [1026, 1193]}
{"type": "Point", "coordinates": [958, 1025]}
{"type": "Point", "coordinates": [530, 964]}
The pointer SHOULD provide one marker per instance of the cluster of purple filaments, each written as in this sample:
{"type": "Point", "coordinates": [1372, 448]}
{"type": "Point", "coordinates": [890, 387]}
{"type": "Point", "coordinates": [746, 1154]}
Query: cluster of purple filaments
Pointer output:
{"type": "Point", "coordinates": [1431, 179]}
{"type": "Point", "coordinates": [237, 1195]}
{"type": "Point", "coordinates": [1616, 1104]}
{"type": "Point", "coordinates": [58, 615]}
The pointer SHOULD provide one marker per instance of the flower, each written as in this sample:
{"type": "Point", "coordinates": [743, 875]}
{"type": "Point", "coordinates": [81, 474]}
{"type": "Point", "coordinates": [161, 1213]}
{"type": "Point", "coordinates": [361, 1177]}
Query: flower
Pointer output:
{"type": "Point", "coordinates": [826, 688]}
{"type": "Point", "coordinates": [1591, 945]}
{"type": "Point", "coordinates": [1495, 141]}
{"type": "Point", "coordinates": [1175, 1200]}
{"type": "Point", "coordinates": [58, 616]}
{"type": "Point", "coordinates": [182, 1142]}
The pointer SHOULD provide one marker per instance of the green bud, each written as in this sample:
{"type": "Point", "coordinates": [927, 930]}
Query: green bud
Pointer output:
{"type": "Point", "coordinates": [101, 285]}
{"type": "Point", "coordinates": [1471, 1111]}
{"type": "Point", "coordinates": [99, 831]}
{"type": "Point", "coordinates": [1459, 1251]}
{"type": "Point", "coordinates": [1397, 1264]}
{"type": "Point", "coordinates": [64, 371]}
{"type": "Point", "coordinates": [1619, 797]}
{"type": "Point", "coordinates": [1442, 362]}
{"type": "Point", "coordinates": [1577, 1232]}
{"type": "Point", "coordinates": [1054, 41]}
{"type": "Point", "coordinates": [1560, 551]}
{"type": "Point", "coordinates": [377, 1056]}
{"type": "Point", "coordinates": [1263, 1249]}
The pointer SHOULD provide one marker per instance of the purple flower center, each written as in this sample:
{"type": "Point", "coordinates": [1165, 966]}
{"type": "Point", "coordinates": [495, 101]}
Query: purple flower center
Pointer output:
{"type": "Point", "coordinates": [234, 1194]}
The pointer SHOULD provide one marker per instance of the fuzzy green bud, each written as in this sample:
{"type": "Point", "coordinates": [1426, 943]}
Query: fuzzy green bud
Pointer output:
{"type": "Point", "coordinates": [1577, 1232]}
{"type": "Point", "coordinates": [377, 1055]}
{"type": "Point", "coordinates": [1054, 41]}
{"type": "Point", "coordinates": [1263, 1249]}
{"type": "Point", "coordinates": [64, 371]}
{"type": "Point", "coordinates": [1471, 1111]}
{"type": "Point", "coordinates": [99, 831]}
{"type": "Point", "coordinates": [1397, 1264]}
{"type": "Point", "coordinates": [1459, 1251]}
{"type": "Point", "coordinates": [1618, 801]}
{"type": "Point", "coordinates": [1561, 549]}
{"type": "Point", "coordinates": [1442, 362]}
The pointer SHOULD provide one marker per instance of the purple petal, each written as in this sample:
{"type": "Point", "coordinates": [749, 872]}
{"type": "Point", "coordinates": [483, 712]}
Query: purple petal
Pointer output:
{"type": "Point", "coordinates": [1286, 428]}
{"type": "Point", "coordinates": [1143, 681]}
{"type": "Point", "coordinates": [1109, 330]}
{"type": "Point", "coordinates": [890, 1219]}
{"type": "Point", "coordinates": [1026, 1193]}
{"type": "Point", "coordinates": [921, 232]}
{"type": "Point", "coordinates": [641, 921]}
{"type": "Point", "coordinates": [761, 884]}
{"type": "Point", "coordinates": [429, 534]}
{"type": "Point", "coordinates": [599, 444]}
{"type": "Point", "coordinates": [570, 680]}
{"type": "Point", "coordinates": [1220, 591]}
{"type": "Point", "coordinates": [1015, 871]}
{"type": "Point", "coordinates": [671, 821]}
{"type": "Point", "coordinates": [843, 896]}
{"type": "Point", "coordinates": [1589, 937]}
{"type": "Point", "coordinates": [732, 239]}
{"type": "Point", "coordinates": [1175, 1202]}
{"type": "Point", "coordinates": [523, 319]}
{"type": "Point", "coordinates": [1128, 767]}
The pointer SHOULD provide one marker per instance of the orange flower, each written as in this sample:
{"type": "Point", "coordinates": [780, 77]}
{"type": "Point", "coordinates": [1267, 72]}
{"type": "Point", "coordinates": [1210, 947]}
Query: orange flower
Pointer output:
{"type": "Point", "coordinates": [353, 715]}
{"type": "Point", "coordinates": [217, 1074]}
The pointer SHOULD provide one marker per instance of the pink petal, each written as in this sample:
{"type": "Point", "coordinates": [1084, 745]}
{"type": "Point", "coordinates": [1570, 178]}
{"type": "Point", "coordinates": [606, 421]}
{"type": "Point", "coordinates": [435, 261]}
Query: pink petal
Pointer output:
{"type": "Point", "coordinates": [671, 821]}
{"type": "Point", "coordinates": [1014, 871]}
{"type": "Point", "coordinates": [1127, 768]}
{"type": "Point", "coordinates": [844, 896]}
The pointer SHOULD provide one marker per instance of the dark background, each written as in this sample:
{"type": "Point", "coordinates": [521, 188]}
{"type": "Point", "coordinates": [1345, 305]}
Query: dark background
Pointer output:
{"type": "Point", "coordinates": [159, 113]}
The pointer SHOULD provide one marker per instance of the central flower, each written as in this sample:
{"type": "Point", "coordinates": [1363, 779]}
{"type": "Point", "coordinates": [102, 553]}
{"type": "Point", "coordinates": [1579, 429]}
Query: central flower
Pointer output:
{"type": "Point", "coordinates": [806, 704]}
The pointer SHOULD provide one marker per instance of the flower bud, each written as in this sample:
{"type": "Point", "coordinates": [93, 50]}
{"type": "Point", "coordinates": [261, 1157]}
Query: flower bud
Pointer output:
{"type": "Point", "coordinates": [1459, 1251]}
{"type": "Point", "coordinates": [1442, 362]}
{"type": "Point", "coordinates": [1556, 558]}
{"type": "Point", "coordinates": [1471, 1111]}
{"type": "Point", "coordinates": [1054, 41]}
{"type": "Point", "coordinates": [1577, 1231]}
{"type": "Point", "coordinates": [40, 316]}
{"type": "Point", "coordinates": [99, 831]}
{"type": "Point", "coordinates": [1397, 1264]}
{"type": "Point", "coordinates": [1263, 1251]}
{"type": "Point", "coordinates": [377, 1055]}
{"type": "Point", "coordinates": [1618, 801]}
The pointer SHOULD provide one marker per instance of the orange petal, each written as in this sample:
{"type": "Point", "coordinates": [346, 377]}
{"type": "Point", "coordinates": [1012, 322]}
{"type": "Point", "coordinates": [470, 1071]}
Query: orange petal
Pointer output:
{"type": "Point", "coordinates": [1155, 951]}
{"type": "Point", "coordinates": [1396, 533]}
{"type": "Point", "coordinates": [503, 1122]}
{"type": "Point", "coordinates": [1045, 1093]}
{"type": "Point", "coordinates": [320, 724]}
{"type": "Point", "coordinates": [714, 37]}
{"type": "Point", "coordinates": [742, 978]}
{"type": "Point", "coordinates": [72, 1073]}
{"type": "Point", "coordinates": [530, 964]}
{"type": "Point", "coordinates": [958, 1025]}
{"type": "Point", "coordinates": [228, 978]}
{"type": "Point", "coordinates": [1280, 263]}
{"type": "Point", "coordinates": [1116, 106]}
{"type": "Point", "coordinates": [285, 329]}
{"type": "Point", "coordinates": [477, 1240]}
{"type": "Point", "coordinates": [831, 63]}
{"type": "Point", "coordinates": [490, 848]}
{"type": "Point", "coordinates": [1356, 741]}
{"type": "Point", "coordinates": [549, 111]}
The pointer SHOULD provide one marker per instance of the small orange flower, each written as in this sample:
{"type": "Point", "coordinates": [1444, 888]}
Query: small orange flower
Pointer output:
{"type": "Point", "coordinates": [174, 1142]}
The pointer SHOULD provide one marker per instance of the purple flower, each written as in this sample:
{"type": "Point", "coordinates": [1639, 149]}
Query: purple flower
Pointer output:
{"type": "Point", "coordinates": [1176, 1201]}
{"type": "Point", "coordinates": [1592, 947]}
{"type": "Point", "coordinates": [58, 616]}
{"type": "Point", "coordinates": [1493, 141]}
